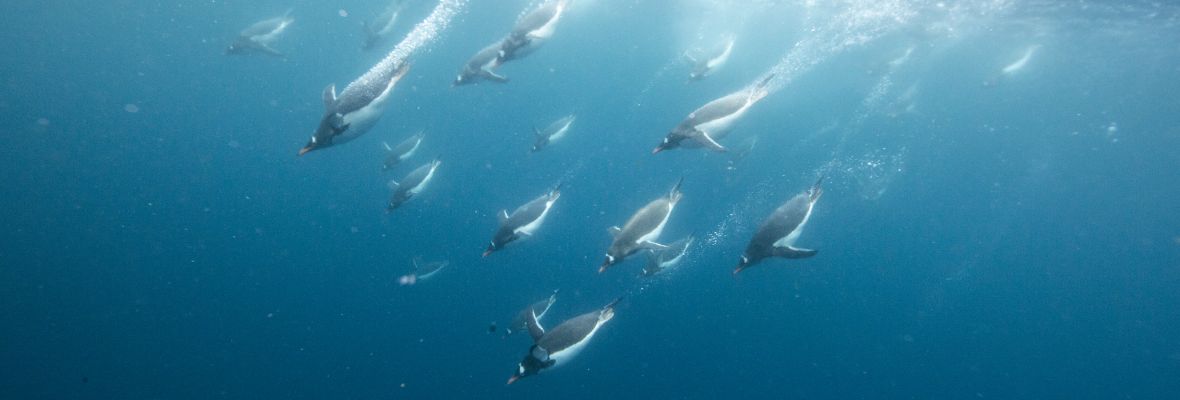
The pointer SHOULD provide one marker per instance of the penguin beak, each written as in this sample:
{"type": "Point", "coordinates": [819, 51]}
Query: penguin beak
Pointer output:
{"type": "Point", "coordinates": [605, 264]}
{"type": "Point", "coordinates": [657, 149]}
{"type": "Point", "coordinates": [488, 251]}
{"type": "Point", "coordinates": [512, 379]}
{"type": "Point", "coordinates": [304, 150]}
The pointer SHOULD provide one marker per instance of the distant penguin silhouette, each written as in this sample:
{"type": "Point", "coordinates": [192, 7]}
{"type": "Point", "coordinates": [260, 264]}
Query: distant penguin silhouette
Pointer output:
{"type": "Point", "coordinates": [708, 124]}
{"type": "Point", "coordinates": [524, 221]}
{"type": "Point", "coordinates": [561, 344]}
{"type": "Point", "coordinates": [532, 30]}
{"type": "Point", "coordinates": [536, 310]}
{"type": "Point", "coordinates": [402, 151]}
{"type": "Point", "coordinates": [422, 271]}
{"type": "Point", "coordinates": [482, 66]}
{"type": "Point", "coordinates": [642, 230]}
{"type": "Point", "coordinates": [412, 184]}
{"type": "Point", "coordinates": [381, 26]}
{"type": "Point", "coordinates": [257, 37]}
{"type": "Point", "coordinates": [552, 133]}
{"type": "Point", "coordinates": [704, 65]}
{"type": "Point", "coordinates": [666, 259]}
{"type": "Point", "coordinates": [777, 235]}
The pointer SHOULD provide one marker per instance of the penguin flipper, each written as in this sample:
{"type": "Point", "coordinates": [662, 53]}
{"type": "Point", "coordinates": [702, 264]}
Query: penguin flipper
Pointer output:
{"type": "Point", "coordinates": [614, 231]}
{"type": "Point", "coordinates": [792, 252]}
{"type": "Point", "coordinates": [708, 142]}
{"type": "Point", "coordinates": [650, 245]}
{"type": "Point", "coordinates": [503, 216]}
{"type": "Point", "coordinates": [494, 77]}
{"type": "Point", "coordinates": [535, 329]}
{"type": "Point", "coordinates": [329, 97]}
{"type": "Point", "coordinates": [392, 184]}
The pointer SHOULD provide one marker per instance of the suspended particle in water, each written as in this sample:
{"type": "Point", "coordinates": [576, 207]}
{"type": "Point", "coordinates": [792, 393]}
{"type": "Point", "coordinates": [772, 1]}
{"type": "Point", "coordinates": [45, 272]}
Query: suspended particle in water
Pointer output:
{"type": "Point", "coordinates": [131, 108]}
{"type": "Point", "coordinates": [343, 13]}
{"type": "Point", "coordinates": [43, 121]}
{"type": "Point", "coordinates": [492, 327]}
{"type": "Point", "coordinates": [408, 279]}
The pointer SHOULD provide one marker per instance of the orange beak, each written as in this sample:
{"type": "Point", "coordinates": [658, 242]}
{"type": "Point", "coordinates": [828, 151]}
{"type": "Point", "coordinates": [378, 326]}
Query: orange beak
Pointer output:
{"type": "Point", "coordinates": [487, 252]}
{"type": "Point", "coordinates": [304, 150]}
{"type": "Point", "coordinates": [657, 149]}
{"type": "Point", "coordinates": [512, 379]}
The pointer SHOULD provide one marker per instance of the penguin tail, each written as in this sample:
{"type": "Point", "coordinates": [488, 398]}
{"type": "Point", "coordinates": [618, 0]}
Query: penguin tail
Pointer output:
{"type": "Point", "coordinates": [675, 193]}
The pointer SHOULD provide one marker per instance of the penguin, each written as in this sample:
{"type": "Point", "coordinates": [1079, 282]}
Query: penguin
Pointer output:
{"type": "Point", "coordinates": [482, 66]}
{"type": "Point", "coordinates": [412, 184]}
{"type": "Point", "coordinates": [662, 260]}
{"type": "Point", "coordinates": [552, 133]}
{"type": "Point", "coordinates": [778, 233]}
{"type": "Point", "coordinates": [713, 120]}
{"type": "Point", "coordinates": [562, 343]}
{"type": "Point", "coordinates": [531, 31]}
{"type": "Point", "coordinates": [356, 109]}
{"type": "Point", "coordinates": [422, 271]}
{"type": "Point", "coordinates": [382, 25]}
{"type": "Point", "coordinates": [257, 37]}
{"type": "Point", "coordinates": [524, 221]}
{"type": "Point", "coordinates": [402, 151]}
{"type": "Point", "coordinates": [537, 310]}
{"type": "Point", "coordinates": [707, 65]}
{"type": "Point", "coordinates": [641, 231]}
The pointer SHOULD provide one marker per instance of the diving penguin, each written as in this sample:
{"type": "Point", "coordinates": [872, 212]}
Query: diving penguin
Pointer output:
{"type": "Point", "coordinates": [707, 64]}
{"type": "Point", "coordinates": [377, 30]}
{"type": "Point", "coordinates": [562, 343]}
{"type": "Point", "coordinates": [642, 230]}
{"type": "Point", "coordinates": [412, 184]}
{"type": "Point", "coordinates": [777, 235]}
{"type": "Point", "coordinates": [714, 120]}
{"type": "Point", "coordinates": [257, 37]}
{"type": "Point", "coordinates": [482, 66]}
{"type": "Point", "coordinates": [665, 259]}
{"type": "Point", "coordinates": [524, 221]}
{"type": "Point", "coordinates": [536, 310]}
{"type": "Point", "coordinates": [531, 31]}
{"type": "Point", "coordinates": [402, 151]}
{"type": "Point", "coordinates": [552, 133]}
{"type": "Point", "coordinates": [356, 109]}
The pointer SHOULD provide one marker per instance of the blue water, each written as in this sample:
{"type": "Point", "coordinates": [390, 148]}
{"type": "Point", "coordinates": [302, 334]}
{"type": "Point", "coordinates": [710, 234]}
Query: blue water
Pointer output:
{"type": "Point", "coordinates": [982, 234]}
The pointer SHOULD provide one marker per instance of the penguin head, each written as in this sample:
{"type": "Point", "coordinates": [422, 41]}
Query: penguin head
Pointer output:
{"type": "Point", "coordinates": [668, 143]}
{"type": "Point", "coordinates": [610, 260]}
{"type": "Point", "coordinates": [460, 79]}
{"type": "Point", "coordinates": [312, 144]}
{"type": "Point", "coordinates": [742, 264]}
{"type": "Point", "coordinates": [491, 248]}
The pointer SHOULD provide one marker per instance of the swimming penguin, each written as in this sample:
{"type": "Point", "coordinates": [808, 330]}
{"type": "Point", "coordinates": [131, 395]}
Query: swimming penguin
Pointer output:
{"type": "Point", "coordinates": [537, 310]}
{"type": "Point", "coordinates": [552, 133]}
{"type": "Point", "coordinates": [532, 30]}
{"type": "Point", "coordinates": [706, 65]}
{"type": "Point", "coordinates": [562, 343]}
{"type": "Point", "coordinates": [665, 259]}
{"type": "Point", "coordinates": [642, 230]}
{"type": "Point", "coordinates": [257, 37]}
{"type": "Point", "coordinates": [377, 30]}
{"type": "Point", "coordinates": [412, 184]}
{"type": "Point", "coordinates": [422, 271]}
{"type": "Point", "coordinates": [355, 110]}
{"type": "Point", "coordinates": [524, 221]}
{"type": "Point", "coordinates": [402, 151]}
{"type": "Point", "coordinates": [482, 66]}
{"type": "Point", "coordinates": [777, 235]}
{"type": "Point", "coordinates": [713, 120]}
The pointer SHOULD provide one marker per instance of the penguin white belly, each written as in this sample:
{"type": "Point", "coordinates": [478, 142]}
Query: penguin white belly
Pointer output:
{"type": "Point", "coordinates": [268, 37]}
{"type": "Point", "coordinates": [410, 153]}
{"type": "Point", "coordinates": [790, 239]}
{"type": "Point", "coordinates": [360, 121]}
{"type": "Point", "coordinates": [567, 354]}
{"type": "Point", "coordinates": [723, 124]}
{"type": "Point", "coordinates": [560, 133]}
{"type": "Point", "coordinates": [418, 189]}
{"type": "Point", "coordinates": [721, 58]}
{"type": "Point", "coordinates": [531, 227]}
{"type": "Point", "coordinates": [655, 233]}
{"type": "Point", "coordinates": [546, 31]}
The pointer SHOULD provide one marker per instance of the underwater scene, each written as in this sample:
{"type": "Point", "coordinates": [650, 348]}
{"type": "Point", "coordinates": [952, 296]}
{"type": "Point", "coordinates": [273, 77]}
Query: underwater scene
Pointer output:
{"type": "Point", "coordinates": [590, 199]}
